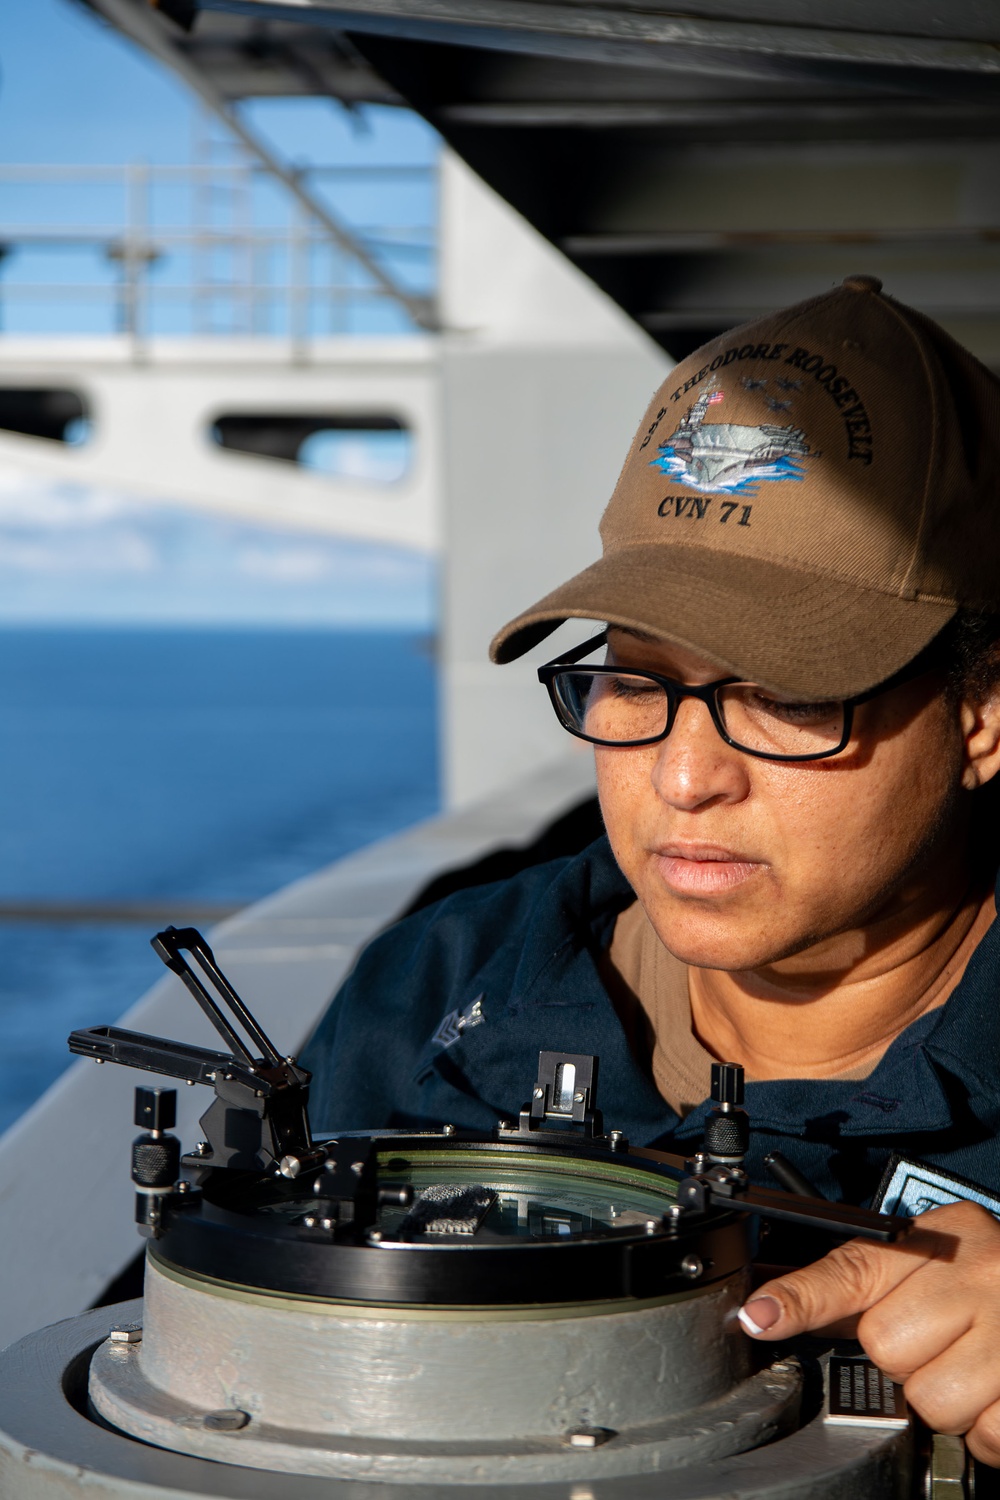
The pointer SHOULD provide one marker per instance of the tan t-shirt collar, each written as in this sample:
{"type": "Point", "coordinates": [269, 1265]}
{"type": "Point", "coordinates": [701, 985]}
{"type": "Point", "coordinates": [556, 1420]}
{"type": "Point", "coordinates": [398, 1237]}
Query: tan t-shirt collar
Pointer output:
{"type": "Point", "coordinates": [682, 1067]}
{"type": "Point", "coordinates": [657, 986]}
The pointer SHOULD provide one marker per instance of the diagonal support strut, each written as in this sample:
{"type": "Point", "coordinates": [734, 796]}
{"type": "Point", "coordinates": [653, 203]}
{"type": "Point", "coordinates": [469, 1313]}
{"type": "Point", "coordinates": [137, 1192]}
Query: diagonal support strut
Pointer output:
{"type": "Point", "coordinates": [145, 28]}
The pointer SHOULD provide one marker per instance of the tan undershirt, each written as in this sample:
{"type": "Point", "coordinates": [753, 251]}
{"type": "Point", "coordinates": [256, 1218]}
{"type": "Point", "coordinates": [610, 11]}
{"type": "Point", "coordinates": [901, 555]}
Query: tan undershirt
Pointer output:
{"type": "Point", "coordinates": [652, 995]}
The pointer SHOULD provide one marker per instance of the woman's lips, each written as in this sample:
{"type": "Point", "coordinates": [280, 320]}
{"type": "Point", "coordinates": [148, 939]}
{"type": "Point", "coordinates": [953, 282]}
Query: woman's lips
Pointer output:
{"type": "Point", "coordinates": [703, 869]}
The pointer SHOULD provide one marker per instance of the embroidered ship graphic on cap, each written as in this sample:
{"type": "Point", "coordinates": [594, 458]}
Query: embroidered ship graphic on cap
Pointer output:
{"type": "Point", "coordinates": [726, 457]}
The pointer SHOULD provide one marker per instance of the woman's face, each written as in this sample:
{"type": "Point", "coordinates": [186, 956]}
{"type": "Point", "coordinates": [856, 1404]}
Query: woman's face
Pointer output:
{"type": "Point", "coordinates": [741, 862]}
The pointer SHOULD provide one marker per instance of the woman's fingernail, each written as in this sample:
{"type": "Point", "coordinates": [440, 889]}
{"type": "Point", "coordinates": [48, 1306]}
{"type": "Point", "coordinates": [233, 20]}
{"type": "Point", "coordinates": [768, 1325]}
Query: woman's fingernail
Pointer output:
{"type": "Point", "coordinates": [760, 1314]}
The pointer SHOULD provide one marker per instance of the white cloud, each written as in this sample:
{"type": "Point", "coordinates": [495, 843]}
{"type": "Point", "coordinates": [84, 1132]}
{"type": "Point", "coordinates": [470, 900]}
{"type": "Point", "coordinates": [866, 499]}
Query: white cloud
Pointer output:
{"type": "Point", "coordinates": [28, 500]}
{"type": "Point", "coordinates": [284, 565]}
{"type": "Point", "coordinates": [71, 552]}
{"type": "Point", "coordinates": [126, 552]}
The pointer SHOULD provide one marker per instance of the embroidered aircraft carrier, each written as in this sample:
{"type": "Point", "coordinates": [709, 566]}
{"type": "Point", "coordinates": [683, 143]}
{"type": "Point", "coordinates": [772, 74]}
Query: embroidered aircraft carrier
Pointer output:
{"type": "Point", "coordinates": [719, 455]}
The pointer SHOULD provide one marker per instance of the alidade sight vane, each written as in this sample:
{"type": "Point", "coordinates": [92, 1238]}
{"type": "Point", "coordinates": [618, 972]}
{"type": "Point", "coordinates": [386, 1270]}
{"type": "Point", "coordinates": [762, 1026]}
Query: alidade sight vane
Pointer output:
{"type": "Point", "coordinates": [258, 1118]}
{"type": "Point", "coordinates": [169, 945]}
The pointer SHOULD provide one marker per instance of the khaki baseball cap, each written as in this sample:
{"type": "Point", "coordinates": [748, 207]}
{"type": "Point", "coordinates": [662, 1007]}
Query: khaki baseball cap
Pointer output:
{"type": "Point", "coordinates": [807, 502]}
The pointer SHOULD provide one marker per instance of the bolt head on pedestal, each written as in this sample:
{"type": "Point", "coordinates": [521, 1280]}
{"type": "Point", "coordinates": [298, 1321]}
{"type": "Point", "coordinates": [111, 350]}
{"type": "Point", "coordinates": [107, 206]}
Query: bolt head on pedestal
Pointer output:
{"type": "Point", "coordinates": [588, 1437]}
{"type": "Point", "coordinates": [125, 1333]}
{"type": "Point", "coordinates": [230, 1419]}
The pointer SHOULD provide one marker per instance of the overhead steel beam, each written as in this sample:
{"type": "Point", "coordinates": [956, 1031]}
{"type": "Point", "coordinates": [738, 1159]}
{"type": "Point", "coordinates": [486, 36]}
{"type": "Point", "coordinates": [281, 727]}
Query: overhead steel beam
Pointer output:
{"type": "Point", "coordinates": [686, 241]}
{"type": "Point", "coordinates": [499, 23]}
{"type": "Point", "coordinates": [146, 28]}
{"type": "Point", "coordinates": [690, 158]}
{"type": "Point", "coordinates": [669, 319]}
{"type": "Point", "coordinates": [724, 115]}
{"type": "Point", "coordinates": [250, 59]}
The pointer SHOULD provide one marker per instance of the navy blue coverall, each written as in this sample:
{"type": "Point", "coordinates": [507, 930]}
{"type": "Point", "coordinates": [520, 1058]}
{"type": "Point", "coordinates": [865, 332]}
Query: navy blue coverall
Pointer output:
{"type": "Point", "coordinates": [445, 1013]}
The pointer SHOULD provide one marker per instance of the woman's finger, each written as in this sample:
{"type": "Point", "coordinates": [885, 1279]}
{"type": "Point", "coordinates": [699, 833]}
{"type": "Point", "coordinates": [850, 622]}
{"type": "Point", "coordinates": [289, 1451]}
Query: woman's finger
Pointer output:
{"type": "Point", "coordinates": [952, 1392]}
{"type": "Point", "coordinates": [848, 1281]}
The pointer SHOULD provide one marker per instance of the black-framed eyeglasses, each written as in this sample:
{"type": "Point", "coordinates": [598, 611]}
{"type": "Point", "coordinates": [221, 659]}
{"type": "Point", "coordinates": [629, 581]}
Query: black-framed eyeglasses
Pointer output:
{"type": "Point", "coordinates": [625, 706]}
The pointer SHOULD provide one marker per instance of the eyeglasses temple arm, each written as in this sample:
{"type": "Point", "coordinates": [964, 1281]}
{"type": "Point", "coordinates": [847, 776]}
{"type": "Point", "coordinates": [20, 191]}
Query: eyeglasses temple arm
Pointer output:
{"type": "Point", "coordinates": [567, 658]}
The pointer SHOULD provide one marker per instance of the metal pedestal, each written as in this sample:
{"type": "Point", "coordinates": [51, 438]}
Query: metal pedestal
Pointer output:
{"type": "Point", "coordinates": [52, 1449]}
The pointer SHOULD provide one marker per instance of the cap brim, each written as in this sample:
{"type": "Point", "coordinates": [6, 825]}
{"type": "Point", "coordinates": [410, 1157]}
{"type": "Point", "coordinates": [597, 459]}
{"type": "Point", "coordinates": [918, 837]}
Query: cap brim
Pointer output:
{"type": "Point", "coordinates": [790, 631]}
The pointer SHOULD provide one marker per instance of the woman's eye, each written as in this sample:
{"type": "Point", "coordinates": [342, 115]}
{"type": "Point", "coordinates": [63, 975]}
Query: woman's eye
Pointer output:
{"type": "Point", "coordinates": [634, 687]}
{"type": "Point", "coordinates": [792, 713]}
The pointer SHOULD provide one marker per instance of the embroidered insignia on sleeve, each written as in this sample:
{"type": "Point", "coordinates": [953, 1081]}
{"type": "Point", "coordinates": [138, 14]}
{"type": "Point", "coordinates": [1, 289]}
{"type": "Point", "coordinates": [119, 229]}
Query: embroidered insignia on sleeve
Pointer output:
{"type": "Point", "coordinates": [910, 1188]}
{"type": "Point", "coordinates": [458, 1021]}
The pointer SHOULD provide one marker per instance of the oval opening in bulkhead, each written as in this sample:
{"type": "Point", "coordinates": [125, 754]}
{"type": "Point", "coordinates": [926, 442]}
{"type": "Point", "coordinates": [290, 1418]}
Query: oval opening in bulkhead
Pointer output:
{"type": "Point", "coordinates": [367, 448]}
{"type": "Point", "coordinates": [51, 412]}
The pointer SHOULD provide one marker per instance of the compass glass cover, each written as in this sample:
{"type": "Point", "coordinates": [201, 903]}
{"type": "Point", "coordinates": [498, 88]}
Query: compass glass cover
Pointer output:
{"type": "Point", "coordinates": [505, 1195]}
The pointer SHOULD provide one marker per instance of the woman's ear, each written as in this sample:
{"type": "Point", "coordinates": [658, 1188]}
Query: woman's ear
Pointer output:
{"type": "Point", "coordinates": [981, 736]}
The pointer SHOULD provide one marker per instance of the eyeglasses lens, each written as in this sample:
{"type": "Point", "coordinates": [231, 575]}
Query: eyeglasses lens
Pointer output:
{"type": "Point", "coordinates": [617, 707]}
{"type": "Point", "coordinates": [759, 721]}
{"type": "Point", "coordinates": [624, 708]}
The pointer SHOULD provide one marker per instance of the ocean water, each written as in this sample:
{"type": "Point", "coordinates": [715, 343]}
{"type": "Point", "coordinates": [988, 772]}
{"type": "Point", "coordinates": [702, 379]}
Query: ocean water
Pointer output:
{"type": "Point", "coordinates": [188, 766]}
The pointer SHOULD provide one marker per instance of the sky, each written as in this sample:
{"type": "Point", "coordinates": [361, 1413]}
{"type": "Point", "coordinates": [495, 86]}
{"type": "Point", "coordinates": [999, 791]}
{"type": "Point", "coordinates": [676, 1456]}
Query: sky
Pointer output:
{"type": "Point", "coordinates": [73, 92]}
{"type": "Point", "coordinates": [75, 553]}
{"type": "Point", "coordinates": [71, 89]}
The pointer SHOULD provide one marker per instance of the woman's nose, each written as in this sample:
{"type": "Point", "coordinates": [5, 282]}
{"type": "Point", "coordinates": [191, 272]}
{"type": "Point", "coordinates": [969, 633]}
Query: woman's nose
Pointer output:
{"type": "Point", "coordinates": [694, 765]}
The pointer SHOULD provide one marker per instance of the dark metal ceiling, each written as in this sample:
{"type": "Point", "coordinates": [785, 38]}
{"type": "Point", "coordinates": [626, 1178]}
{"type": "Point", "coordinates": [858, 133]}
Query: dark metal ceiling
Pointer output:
{"type": "Point", "coordinates": [701, 163]}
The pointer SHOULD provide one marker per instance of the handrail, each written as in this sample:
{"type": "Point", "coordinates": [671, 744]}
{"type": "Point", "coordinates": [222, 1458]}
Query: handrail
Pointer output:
{"type": "Point", "coordinates": [199, 249]}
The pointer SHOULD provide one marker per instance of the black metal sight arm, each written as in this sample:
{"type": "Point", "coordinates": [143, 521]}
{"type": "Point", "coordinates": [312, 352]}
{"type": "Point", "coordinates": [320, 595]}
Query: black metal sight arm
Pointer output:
{"type": "Point", "coordinates": [715, 1178]}
{"type": "Point", "coordinates": [725, 1187]}
{"type": "Point", "coordinates": [258, 1118]}
{"type": "Point", "coordinates": [157, 1054]}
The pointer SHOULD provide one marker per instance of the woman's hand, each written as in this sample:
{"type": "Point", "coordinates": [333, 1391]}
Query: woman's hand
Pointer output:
{"type": "Point", "coordinates": [926, 1310]}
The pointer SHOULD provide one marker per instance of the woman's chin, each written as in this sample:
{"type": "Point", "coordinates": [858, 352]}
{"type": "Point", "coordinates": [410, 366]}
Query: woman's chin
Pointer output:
{"type": "Point", "coordinates": [711, 941]}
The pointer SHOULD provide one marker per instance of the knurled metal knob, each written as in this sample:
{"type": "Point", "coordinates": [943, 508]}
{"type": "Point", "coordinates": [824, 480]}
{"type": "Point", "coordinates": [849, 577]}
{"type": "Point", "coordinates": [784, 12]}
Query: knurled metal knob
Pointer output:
{"type": "Point", "coordinates": [156, 1161]}
{"type": "Point", "coordinates": [727, 1128]}
{"type": "Point", "coordinates": [727, 1135]}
